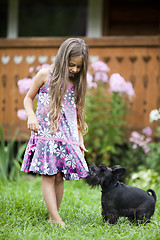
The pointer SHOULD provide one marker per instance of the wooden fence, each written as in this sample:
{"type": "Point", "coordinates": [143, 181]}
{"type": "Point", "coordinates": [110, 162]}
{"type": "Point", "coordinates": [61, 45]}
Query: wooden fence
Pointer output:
{"type": "Point", "coordinates": [137, 59]}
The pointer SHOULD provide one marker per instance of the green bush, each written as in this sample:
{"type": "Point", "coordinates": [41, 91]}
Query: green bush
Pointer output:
{"type": "Point", "coordinates": [105, 116]}
{"type": "Point", "coordinates": [145, 179]}
{"type": "Point", "coordinates": [153, 157]}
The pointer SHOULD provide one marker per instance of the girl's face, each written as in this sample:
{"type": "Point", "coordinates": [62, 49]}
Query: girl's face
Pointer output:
{"type": "Point", "coordinates": [75, 66]}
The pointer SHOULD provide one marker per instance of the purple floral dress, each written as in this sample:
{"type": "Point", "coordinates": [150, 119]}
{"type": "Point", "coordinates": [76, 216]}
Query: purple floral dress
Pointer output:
{"type": "Point", "coordinates": [49, 153]}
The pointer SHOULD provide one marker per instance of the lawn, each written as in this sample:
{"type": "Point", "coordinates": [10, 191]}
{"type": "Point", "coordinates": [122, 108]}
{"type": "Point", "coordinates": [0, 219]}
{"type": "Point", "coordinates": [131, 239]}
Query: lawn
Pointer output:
{"type": "Point", "coordinates": [23, 214]}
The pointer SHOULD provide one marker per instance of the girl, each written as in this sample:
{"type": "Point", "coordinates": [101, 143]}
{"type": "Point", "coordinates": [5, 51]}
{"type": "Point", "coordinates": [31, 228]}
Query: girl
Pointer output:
{"type": "Point", "coordinates": [55, 149]}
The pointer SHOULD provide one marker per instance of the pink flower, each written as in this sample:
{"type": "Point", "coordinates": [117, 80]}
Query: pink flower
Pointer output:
{"type": "Point", "coordinates": [147, 131]}
{"type": "Point", "coordinates": [139, 140]}
{"type": "Point", "coordinates": [38, 67]}
{"type": "Point", "coordinates": [135, 134]}
{"type": "Point", "coordinates": [100, 66]}
{"type": "Point", "coordinates": [136, 138]}
{"type": "Point", "coordinates": [90, 82]}
{"type": "Point", "coordinates": [129, 89]}
{"type": "Point", "coordinates": [45, 65]}
{"type": "Point", "coordinates": [134, 146]}
{"type": "Point", "coordinates": [148, 139]}
{"type": "Point", "coordinates": [31, 69]}
{"type": "Point", "coordinates": [89, 77]}
{"type": "Point", "coordinates": [22, 115]}
{"type": "Point", "coordinates": [146, 149]}
{"type": "Point", "coordinates": [118, 84]}
{"type": "Point", "coordinates": [24, 85]}
{"type": "Point", "coordinates": [101, 76]}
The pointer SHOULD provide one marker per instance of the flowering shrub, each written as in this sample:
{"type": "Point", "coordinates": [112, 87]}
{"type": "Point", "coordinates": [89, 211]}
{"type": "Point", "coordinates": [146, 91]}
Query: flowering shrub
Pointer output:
{"type": "Point", "coordinates": [106, 109]}
{"type": "Point", "coordinates": [142, 153]}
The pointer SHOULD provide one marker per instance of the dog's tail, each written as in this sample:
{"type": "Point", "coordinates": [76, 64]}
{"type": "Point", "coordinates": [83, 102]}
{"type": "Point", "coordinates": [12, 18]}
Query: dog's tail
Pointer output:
{"type": "Point", "coordinates": [153, 194]}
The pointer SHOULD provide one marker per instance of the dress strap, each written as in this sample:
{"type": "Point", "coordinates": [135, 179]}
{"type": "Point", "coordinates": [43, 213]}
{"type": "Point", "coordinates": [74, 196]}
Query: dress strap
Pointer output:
{"type": "Point", "coordinates": [49, 78]}
{"type": "Point", "coordinates": [45, 86]}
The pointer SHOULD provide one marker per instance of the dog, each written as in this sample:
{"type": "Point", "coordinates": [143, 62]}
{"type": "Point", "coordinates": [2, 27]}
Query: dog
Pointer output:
{"type": "Point", "coordinates": [118, 199]}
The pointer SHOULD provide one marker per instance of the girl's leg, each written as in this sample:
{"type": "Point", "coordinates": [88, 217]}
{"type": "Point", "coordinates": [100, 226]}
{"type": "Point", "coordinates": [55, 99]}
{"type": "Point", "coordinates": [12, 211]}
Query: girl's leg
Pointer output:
{"type": "Point", "coordinates": [59, 188]}
{"type": "Point", "coordinates": [49, 195]}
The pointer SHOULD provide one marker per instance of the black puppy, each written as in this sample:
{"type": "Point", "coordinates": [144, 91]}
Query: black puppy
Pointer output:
{"type": "Point", "coordinates": [119, 199]}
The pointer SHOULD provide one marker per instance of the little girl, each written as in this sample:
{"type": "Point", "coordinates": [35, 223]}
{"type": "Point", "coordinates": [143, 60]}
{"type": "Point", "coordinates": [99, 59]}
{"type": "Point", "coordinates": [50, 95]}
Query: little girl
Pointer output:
{"type": "Point", "coordinates": [56, 149]}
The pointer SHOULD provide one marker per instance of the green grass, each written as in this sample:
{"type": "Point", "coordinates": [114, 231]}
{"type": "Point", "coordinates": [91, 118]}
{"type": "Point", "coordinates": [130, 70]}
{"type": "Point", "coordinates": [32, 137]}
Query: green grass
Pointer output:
{"type": "Point", "coordinates": [23, 214]}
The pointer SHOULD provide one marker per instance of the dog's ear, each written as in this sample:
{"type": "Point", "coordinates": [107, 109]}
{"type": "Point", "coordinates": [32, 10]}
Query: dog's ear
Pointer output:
{"type": "Point", "coordinates": [116, 167]}
{"type": "Point", "coordinates": [118, 171]}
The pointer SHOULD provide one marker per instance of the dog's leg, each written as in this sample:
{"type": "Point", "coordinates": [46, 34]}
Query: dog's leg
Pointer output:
{"type": "Point", "coordinates": [104, 214]}
{"type": "Point", "coordinates": [141, 217]}
{"type": "Point", "coordinates": [112, 218]}
{"type": "Point", "coordinates": [105, 218]}
{"type": "Point", "coordinates": [107, 214]}
{"type": "Point", "coordinates": [132, 219]}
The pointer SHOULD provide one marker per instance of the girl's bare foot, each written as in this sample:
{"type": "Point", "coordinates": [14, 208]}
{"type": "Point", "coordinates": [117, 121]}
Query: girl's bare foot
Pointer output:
{"type": "Point", "coordinates": [57, 222]}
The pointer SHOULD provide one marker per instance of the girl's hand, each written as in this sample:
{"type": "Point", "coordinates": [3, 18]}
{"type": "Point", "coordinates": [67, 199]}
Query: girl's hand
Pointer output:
{"type": "Point", "coordinates": [82, 147]}
{"type": "Point", "coordinates": [33, 123]}
{"type": "Point", "coordinates": [81, 143]}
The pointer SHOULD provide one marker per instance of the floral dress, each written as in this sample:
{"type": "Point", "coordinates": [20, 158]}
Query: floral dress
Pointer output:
{"type": "Point", "coordinates": [49, 153]}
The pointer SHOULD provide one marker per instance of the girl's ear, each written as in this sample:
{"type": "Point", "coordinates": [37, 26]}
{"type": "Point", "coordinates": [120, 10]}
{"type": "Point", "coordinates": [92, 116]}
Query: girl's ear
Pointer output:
{"type": "Point", "coordinates": [118, 172]}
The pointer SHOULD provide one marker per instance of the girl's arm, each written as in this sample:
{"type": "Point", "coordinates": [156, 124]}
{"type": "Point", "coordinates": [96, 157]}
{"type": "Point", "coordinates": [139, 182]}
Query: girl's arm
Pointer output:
{"type": "Point", "coordinates": [81, 142]}
{"type": "Point", "coordinates": [39, 80]}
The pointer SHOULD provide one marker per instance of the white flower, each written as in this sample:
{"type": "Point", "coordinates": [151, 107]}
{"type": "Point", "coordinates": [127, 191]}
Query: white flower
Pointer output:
{"type": "Point", "coordinates": [60, 152]}
{"type": "Point", "coordinates": [70, 161]}
{"type": "Point", "coordinates": [69, 157]}
{"type": "Point", "coordinates": [154, 115]}
{"type": "Point", "coordinates": [47, 122]}
{"type": "Point", "coordinates": [73, 102]}
{"type": "Point", "coordinates": [44, 98]}
{"type": "Point", "coordinates": [52, 147]}
{"type": "Point", "coordinates": [74, 130]}
{"type": "Point", "coordinates": [45, 132]}
{"type": "Point", "coordinates": [36, 164]}
{"type": "Point", "coordinates": [46, 169]}
{"type": "Point", "coordinates": [37, 169]}
{"type": "Point", "coordinates": [46, 166]}
{"type": "Point", "coordinates": [59, 135]}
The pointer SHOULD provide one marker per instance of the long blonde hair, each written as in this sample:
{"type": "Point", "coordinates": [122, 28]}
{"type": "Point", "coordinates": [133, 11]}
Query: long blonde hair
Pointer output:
{"type": "Point", "coordinates": [72, 47]}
